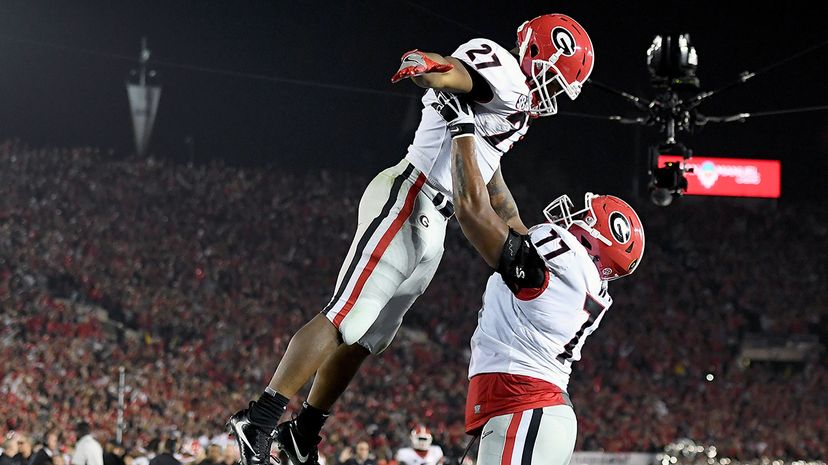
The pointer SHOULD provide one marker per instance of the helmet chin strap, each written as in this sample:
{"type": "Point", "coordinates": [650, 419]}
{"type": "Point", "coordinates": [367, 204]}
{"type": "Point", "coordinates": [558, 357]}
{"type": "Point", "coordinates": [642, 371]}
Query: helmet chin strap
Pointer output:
{"type": "Point", "coordinates": [593, 232]}
{"type": "Point", "coordinates": [572, 90]}
{"type": "Point", "coordinates": [554, 58]}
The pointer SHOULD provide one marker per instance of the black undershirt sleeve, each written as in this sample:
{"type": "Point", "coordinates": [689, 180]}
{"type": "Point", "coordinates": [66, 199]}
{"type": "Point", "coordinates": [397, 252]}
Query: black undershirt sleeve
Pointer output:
{"type": "Point", "coordinates": [520, 265]}
{"type": "Point", "coordinates": [481, 90]}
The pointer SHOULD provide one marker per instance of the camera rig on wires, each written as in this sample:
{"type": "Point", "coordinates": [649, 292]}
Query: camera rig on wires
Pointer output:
{"type": "Point", "coordinates": [672, 62]}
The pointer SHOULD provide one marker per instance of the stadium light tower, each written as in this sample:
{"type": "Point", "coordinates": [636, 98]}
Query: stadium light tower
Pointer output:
{"type": "Point", "coordinates": [144, 94]}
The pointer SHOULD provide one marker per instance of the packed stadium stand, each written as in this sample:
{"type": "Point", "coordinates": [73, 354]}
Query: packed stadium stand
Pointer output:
{"type": "Point", "coordinates": [194, 277]}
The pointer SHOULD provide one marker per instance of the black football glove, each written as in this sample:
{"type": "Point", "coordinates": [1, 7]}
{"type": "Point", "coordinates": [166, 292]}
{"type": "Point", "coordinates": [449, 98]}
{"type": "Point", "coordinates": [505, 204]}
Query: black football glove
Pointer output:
{"type": "Point", "coordinates": [457, 113]}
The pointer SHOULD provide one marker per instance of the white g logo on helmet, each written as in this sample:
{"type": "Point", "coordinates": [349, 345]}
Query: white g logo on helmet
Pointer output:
{"type": "Point", "coordinates": [620, 227]}
{"type": "Point", "coordinates": [564, 41]}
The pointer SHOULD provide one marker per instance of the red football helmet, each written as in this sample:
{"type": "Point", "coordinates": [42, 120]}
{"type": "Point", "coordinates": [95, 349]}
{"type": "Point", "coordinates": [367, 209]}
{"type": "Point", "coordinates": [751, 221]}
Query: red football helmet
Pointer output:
{"type": "Point", "coordinates": [608, 228]}
{"type": "Point", "coordinates": [553, 48]}
{"type": "Point", "coordinates": [421, 438]}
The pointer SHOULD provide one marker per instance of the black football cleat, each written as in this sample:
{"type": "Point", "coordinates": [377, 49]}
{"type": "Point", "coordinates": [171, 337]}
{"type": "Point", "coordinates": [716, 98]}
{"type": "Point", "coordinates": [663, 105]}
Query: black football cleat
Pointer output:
{"type": "Point", "coordinates": [299, 449]}
{"type": "Point", "coordinates": [254, 441]}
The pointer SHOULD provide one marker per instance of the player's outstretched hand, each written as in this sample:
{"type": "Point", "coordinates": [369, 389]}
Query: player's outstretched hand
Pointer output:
{"type": "Point", "coordinates": [457, 112]}
{"type": "Point", "coordinates": [416, 63]}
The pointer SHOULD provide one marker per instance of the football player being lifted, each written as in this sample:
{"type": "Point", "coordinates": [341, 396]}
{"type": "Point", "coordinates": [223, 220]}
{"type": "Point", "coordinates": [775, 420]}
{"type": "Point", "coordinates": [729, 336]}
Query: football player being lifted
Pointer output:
{"type": "Point", "coordinates": [547, 295]}
{"type": "Point", "coordinates": [402, 221]}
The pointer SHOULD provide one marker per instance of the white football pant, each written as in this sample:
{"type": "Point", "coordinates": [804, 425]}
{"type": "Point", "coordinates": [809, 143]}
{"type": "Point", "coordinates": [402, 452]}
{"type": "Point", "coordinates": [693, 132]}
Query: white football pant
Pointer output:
{"type": "Point", "coordinates": [395, 253]}
{"type": "Point", "coordinates": [542, 436]}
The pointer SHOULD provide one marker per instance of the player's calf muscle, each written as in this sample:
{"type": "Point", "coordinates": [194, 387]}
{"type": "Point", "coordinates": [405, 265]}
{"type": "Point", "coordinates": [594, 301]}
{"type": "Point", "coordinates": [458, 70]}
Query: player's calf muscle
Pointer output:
{"type": "Point", "coordinates": [306, 352]}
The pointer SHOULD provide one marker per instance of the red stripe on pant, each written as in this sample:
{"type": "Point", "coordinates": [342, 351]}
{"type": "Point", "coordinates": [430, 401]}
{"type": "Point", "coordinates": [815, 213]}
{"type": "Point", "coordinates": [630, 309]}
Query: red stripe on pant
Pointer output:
{"type": "Point", "coordinates": [382, 245]}
{"type": "Point", "coordinates": [511, 434]}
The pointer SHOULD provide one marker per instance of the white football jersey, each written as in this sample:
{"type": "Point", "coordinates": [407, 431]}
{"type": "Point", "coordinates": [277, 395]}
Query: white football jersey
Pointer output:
{"type": "Point", "coordinates": [541, 337]}
{"type": "Point", "coordinates": [409, 456]}
{"type": "Point", "coordinates": [500, 122]}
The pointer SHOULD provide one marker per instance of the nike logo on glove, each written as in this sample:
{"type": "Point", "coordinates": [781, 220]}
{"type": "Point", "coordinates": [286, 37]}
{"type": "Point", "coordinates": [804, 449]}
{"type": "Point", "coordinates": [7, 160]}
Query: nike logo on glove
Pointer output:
{"type": "Point", "coordinates": [299, 456]}
{"type": "Point", "coordinates": [414, 61]}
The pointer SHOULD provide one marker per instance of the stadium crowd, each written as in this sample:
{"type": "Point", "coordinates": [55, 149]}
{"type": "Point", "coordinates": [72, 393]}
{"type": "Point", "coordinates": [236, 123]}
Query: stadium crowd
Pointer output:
{"type": "Point", "coordinates": [193, 278]}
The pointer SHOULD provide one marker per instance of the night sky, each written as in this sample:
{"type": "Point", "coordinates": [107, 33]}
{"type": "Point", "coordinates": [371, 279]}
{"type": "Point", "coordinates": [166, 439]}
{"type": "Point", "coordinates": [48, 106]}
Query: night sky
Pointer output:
{"type": "Point", "coordinates": [63, 66]}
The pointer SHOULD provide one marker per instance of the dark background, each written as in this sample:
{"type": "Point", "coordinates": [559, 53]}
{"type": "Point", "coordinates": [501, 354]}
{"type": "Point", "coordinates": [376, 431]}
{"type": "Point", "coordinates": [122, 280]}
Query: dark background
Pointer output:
{"type": "Point", "coordinates": [55, 91]}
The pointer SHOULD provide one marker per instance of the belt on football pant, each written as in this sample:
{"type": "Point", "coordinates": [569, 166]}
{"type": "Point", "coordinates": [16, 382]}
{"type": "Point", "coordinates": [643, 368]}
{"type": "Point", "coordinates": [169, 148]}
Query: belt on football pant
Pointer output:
{"type": "Point", "coordinates": [441, 202]}
{"type": "Point", "coordinates": [443, 205]}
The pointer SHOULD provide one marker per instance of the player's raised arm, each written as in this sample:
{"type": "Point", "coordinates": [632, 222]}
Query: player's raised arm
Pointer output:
{"type": "Point", "coordinates": [432, 70]}
{"type": "Point", "coordinates": [504, 204]}
{"type": "Point", "coordinates": [480, 223]}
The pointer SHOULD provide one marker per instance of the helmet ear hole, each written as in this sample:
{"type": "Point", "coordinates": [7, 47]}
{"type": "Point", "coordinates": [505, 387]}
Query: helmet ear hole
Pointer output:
{"type": "Point", "coordinates": [533, 50]}
{"type": "Point", "coordinates": [586, 243]}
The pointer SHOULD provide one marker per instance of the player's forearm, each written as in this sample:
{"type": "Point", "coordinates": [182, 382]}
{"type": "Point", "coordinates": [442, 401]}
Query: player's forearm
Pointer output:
{"type": "Point", "coordinates": [504, 204]}
{"type": "Point", "coordinates": [470, 192]}
{"type": "Point", "coordinates": [478, 220]}
{"type": "Point", "coordinates": [456, 80]}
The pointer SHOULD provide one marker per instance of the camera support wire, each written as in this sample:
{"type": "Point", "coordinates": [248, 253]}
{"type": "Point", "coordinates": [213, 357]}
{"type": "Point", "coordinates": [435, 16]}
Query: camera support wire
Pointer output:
{"type": "Point", "coordinates": [679, 106]}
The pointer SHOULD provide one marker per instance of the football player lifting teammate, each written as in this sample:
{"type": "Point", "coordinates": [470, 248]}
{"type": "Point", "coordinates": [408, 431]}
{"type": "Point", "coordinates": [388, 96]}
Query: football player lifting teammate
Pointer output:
{"type": "Point", "coordinates": [549, 292]}
{"type": "Point", "coordinates": [402, 220]}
